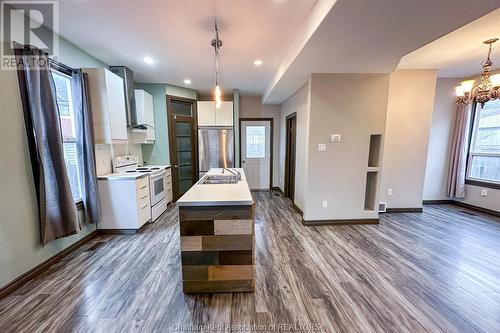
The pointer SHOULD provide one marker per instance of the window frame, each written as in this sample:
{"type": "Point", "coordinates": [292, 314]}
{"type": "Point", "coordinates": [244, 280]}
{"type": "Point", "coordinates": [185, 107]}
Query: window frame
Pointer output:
{"type": "Point", "coordinates": [67, 71]}
{"type": "Point", "coordinates": [472, 139]}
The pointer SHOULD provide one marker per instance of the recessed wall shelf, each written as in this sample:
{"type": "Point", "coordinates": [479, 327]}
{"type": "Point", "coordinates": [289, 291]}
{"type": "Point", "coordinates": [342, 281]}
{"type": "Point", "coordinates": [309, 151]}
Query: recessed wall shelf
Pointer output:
{"type": "Point", "coordinates": [374, 152]}
{"type": "Point", "coordinates": [371, 190]}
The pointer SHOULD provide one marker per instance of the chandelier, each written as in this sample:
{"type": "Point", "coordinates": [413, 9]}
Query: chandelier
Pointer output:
{"type": "Point", "coordinates": [489, 87]}
{"type": "Point", "coordinates": [217, 43]}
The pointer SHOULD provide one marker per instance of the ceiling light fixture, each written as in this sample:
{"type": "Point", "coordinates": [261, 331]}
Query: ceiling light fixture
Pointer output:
{"type": "Point", "coordinates": [148, 60]}
{"type": "Point", "coordinates": [489, 87]}
{"type": "Point", "coordinates": [258, 62]}
{"type": "Point", "coordinates": [216, 44]}
{"type": "Point", "coordinates": [187, 81]}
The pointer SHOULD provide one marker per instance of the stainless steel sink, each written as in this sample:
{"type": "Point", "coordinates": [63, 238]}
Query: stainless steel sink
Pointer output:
{"type": "Point", "coordinates": [219, 179]}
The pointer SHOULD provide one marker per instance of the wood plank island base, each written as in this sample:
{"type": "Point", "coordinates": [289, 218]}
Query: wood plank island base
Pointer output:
{"type": "Point", "coordinates": [217, 231]}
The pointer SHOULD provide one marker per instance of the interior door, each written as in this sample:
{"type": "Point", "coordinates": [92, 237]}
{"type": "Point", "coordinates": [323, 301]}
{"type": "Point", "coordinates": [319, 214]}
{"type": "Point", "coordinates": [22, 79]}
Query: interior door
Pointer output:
{"type": "Point", "coordinates": [256, 153]}
{"type": "Point", "coordinates": [183, 143]}
{"type": "Point", "coordinates": [291, 144]}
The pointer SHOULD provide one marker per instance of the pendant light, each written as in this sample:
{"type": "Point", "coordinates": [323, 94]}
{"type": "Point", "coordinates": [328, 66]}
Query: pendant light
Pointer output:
{"type": "Point", "coordinates": [217, 43]}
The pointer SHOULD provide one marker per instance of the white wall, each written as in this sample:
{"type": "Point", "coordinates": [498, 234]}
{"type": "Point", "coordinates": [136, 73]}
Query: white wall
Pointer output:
{"type": "Point", "coordinates": [251, 107]}
{"type": "Point", "coordinates": [299, 103]}
{"type": "Point", "coordinates": [409, 117]}
{"type": "Point", "coordinates": [443, 119]}
{"type": "Point", "coordinates": [354, 106]}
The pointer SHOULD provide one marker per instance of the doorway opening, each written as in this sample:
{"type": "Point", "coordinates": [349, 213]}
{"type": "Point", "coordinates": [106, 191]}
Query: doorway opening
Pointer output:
{"type": "Point", "coordinates": [290, 151]}
{"type": "Point", "coordinates": [256, 157]}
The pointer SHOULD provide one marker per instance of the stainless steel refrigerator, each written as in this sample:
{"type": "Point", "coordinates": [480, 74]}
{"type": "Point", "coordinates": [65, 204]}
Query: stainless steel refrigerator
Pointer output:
{"type": "Point", "coordinates": [216, 148]}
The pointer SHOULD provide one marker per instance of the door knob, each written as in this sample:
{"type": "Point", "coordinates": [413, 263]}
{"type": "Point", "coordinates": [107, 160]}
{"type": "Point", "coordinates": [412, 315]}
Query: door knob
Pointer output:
{"type": "Point", "coordinates": [242, 161]}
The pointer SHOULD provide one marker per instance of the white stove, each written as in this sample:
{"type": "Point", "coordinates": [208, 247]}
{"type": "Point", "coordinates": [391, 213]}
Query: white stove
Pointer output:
{"type": "Point", "coordinates": [129, 164]}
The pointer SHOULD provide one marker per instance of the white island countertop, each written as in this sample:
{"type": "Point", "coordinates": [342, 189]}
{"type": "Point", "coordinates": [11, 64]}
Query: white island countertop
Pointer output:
{"type": "Point", "coordinates": [218, 194]}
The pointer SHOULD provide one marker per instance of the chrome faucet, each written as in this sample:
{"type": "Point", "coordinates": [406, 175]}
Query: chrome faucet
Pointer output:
{"type": "Point", "coordinates": [234, 172]}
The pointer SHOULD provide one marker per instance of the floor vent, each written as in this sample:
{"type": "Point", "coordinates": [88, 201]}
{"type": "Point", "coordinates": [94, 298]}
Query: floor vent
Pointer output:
{"type": "Point", "coordinates": [382, 207]}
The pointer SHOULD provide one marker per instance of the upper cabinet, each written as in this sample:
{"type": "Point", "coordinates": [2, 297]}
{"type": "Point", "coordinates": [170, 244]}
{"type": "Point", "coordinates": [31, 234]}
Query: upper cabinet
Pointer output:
{"type": "Point", "coordinates": [209, 115]}
{"type": "Point", "coordinates": [107, 99]}
{"type": "Point", "coordinates": [145, 113]}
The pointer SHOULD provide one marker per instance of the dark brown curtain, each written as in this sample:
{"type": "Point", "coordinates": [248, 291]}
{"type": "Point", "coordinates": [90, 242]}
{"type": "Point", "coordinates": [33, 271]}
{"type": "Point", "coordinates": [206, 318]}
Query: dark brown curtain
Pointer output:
{"type": "Point", "coordinates": [58, 216]}
{"type": "Point", "coordinates": [85, 146]}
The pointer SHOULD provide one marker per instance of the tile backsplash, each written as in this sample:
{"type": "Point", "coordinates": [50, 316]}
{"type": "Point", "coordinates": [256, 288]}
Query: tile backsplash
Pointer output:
{"type": "Point", "coordinates": [105, 152]}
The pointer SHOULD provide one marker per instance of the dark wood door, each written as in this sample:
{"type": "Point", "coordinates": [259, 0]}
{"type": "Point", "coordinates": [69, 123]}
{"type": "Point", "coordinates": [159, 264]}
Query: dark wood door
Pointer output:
{"type": "Point", "coordinates": [291, 143]}
{"type": "Point", "coordinates": [183, 144]}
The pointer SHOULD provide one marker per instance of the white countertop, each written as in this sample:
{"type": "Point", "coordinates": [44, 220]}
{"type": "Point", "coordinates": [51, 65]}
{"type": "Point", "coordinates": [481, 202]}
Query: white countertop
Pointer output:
{"type": "Point", "coordinates": [218, 194]}
{"type": "Point", "coordinates": [122, 176]}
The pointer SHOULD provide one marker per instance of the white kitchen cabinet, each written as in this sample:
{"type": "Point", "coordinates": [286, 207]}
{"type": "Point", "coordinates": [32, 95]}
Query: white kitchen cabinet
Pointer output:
{"type": "Point", "coordinates": [209, 115]}
{"type": "Point", "coordinates": [107, 99]}
{"type": "Point", "coordinates": [145, 112]}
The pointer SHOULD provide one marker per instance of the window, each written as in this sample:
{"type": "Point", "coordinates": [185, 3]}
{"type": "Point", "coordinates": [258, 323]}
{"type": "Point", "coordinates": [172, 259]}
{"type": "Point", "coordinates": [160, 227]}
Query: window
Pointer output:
{"type": "Point", "coordinates": [484, 152]}
{"type": "Point", "coordinates": [256, 141]}
{"type": "Point", "coordinates": [67, 119]}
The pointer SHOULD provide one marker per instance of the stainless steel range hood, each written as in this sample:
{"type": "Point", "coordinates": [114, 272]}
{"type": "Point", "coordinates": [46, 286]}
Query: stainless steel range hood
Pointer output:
{"type": "Point", "coordinates": [128, 81]}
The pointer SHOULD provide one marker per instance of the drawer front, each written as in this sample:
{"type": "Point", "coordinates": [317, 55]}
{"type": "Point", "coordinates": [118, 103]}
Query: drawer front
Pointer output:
{"type": "Point", "coordinates": [144, 213]}
{"type": "Point", "coordinates": [142, 183]}
{"type": "Point", "coordinates": [169, 195]}
{"type": "Point", "coordinates": [168, 176]}
{"type": "Point", "coordinates": [142, 193]}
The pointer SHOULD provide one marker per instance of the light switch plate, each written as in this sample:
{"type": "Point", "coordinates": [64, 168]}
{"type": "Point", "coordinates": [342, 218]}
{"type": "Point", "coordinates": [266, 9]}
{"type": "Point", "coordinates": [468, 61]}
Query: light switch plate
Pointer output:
{"type": "Point", "coordinates": [484, 192]}
{"type": "Point", "coordinates": [335, 138]}
{"type": "Point", "coordinates": [389, 191]}
{"type": "Point", "coordinates": [325, 204]}
{"type": "Point", "coordinates": [321, 147]}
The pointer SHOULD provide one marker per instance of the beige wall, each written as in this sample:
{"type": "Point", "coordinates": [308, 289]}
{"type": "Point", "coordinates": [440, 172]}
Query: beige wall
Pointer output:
{"type": "Point", "coordinates": [251, 107]}
{"type": "Point", "coordinates": [443, 119]}
{"type": "Point", "coordinates": [409, 117]}
{"type": "Point", "coordinates": [354, 106]}
{"type": "Point", "coordinates": [299, 102]}
{"type": "Point", "coordinates": [443, 122]}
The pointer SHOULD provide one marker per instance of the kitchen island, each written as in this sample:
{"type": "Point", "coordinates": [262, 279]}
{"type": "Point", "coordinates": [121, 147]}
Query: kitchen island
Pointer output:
{"type": "Point", "coordinates": [217, 231]}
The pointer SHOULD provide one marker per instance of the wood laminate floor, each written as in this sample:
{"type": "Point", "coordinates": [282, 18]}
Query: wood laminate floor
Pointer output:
{"type": "Point", "coordinates": [437, 271]}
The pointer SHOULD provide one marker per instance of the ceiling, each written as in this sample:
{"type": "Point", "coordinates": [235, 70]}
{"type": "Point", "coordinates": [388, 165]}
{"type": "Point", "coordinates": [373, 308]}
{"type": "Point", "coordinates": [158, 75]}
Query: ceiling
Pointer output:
{"type": "Point", "coordinates": [359, 36]}
{"type": "Point", "coordinates": [459, 54]}
{"type": "Point", "coordinates": [177, 35]}
{"type": "Point", "coordinates": [293, 38]}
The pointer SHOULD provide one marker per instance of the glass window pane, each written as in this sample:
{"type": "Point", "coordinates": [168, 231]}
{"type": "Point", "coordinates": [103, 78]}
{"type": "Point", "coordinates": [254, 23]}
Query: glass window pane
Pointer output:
{"type": "Point", "coordinates": [487, 132]}
{"type": "Point", "coordinates": [185, 185]}
{"type": "Point", "coordinates": [67, 120]}
{"type": "Point", "coordinates": [183, 128]}
{"type": "Point", "coordinates": [180, 108]}
{"type": "Point", "coordinates": [184, 158]}
{"type": "Point", "coordinates": [183, 143]}
{"type": "Point", "coordinates": [255, 141]}
{"type": "Point", "coordinates": [70, 157]}
{"type": "Point", "coordinates": [485, 167]}
{"type": "Point", "coordinates": [185, 172]}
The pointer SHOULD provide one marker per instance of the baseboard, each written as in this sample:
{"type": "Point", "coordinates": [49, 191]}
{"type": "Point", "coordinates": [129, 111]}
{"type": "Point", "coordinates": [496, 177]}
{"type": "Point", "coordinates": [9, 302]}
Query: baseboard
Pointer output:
{"type": "Point", "coordinates": [41, 268]}
{"type": "Point", "coordinates": [124, 231]}
{"type": "Point", "coordinates": [340, 222]}
{"type": "Point", "coordinates": [437, 202]}
{"type": "Point", "coordinates": [404, 210]}
{"type": "Point", "coordinates": [297, 209]}
{"type": "Point", "coordinates": [462, 204]}
{"type": "Point", "coordinates": [477, 208]}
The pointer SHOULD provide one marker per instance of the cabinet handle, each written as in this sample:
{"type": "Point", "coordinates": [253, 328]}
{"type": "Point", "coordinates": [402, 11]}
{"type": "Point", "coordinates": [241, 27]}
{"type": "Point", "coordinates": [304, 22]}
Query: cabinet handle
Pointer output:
{"type": "Point", "coordinates": [144, 206]}
{"type": "Point", "coordinates": [144, 186]}
{"type": "Point", "coordinates": [144, 197]}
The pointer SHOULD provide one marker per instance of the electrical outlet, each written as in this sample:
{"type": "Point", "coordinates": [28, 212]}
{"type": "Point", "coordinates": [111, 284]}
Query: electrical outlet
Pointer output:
{"type": "Point", "coordinates": [484, 192]}
{"type": "Point", "coordinates": [321, 147]}
{"type": "Point", "coordinates": [335, 138]}
{"type": "Point", "coordinates": [389, 191]}
{"type": "Point", "coordinates": [325, 204]}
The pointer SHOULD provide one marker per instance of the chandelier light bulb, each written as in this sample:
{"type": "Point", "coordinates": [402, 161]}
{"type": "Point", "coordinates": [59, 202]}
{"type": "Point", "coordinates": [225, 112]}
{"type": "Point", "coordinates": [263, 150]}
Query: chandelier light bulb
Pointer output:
{"type": "Point", "coordinates": [495, 80]}
{"type": "Point", "coordinates": [459, 91]}
{"type": "Point", "coordinates": [467, 85]}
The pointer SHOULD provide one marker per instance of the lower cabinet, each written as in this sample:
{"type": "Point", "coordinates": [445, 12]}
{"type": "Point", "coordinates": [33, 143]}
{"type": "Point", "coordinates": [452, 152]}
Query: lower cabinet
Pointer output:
{"type": "Point", "coordinates": [125, 204]}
